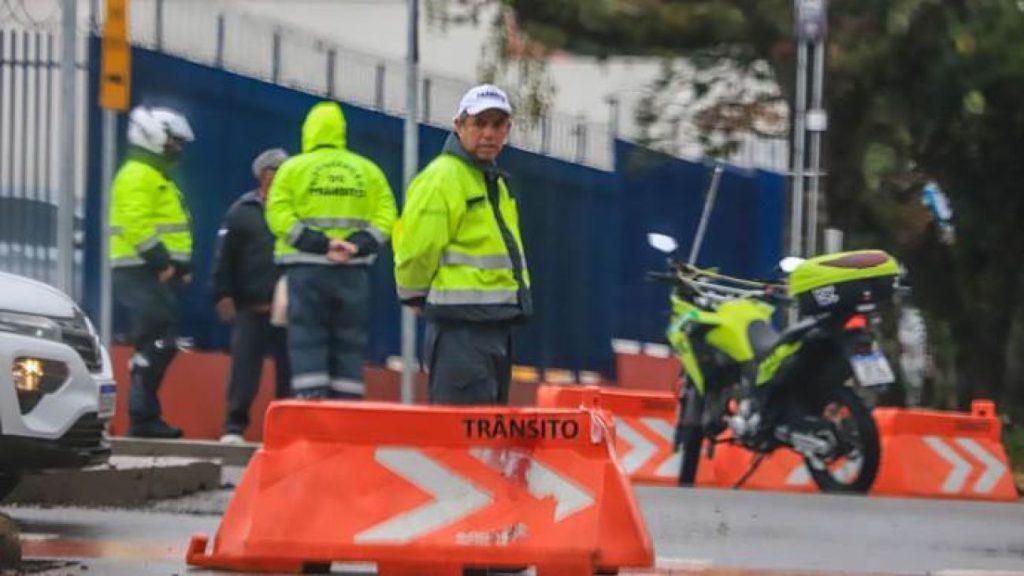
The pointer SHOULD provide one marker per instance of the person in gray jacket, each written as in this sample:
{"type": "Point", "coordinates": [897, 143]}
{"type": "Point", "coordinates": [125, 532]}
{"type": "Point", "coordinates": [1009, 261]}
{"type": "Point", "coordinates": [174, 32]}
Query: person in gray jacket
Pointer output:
{"type": "Point", "coordinates": [244, 277]}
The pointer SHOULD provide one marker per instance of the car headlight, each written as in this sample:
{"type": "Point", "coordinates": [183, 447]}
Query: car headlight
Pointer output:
{"type": "Point", "coordinates": [36, 377]}
{"type": "Point", "coordinates": [29, 325]}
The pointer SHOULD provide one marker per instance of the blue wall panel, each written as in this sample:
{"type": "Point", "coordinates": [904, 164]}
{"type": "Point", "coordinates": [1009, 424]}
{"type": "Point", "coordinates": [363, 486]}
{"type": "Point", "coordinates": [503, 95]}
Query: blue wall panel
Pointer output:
{"type": "Point", "coordinates": [584, 229]}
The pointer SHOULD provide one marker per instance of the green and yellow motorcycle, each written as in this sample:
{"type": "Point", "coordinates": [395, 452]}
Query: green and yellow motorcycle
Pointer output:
{"type": "Point", "coordinates": [747, 384]}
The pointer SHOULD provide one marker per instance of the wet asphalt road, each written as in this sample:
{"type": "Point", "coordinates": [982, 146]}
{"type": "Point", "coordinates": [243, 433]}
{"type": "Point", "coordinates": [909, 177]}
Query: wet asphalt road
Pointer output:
{"type": "Point", "coordinates": [710, 532]}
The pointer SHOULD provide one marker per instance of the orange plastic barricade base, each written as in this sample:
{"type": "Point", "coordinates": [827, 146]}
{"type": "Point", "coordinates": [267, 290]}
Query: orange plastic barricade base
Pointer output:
{"type": "Point", "coordinates": [430, 491]}
{"type": "Point", "coordinates": [925, 453]}
{"type": "Point", "coordinates": [954, 455]}
{"type": "Point", "coordinates": [645, 422]}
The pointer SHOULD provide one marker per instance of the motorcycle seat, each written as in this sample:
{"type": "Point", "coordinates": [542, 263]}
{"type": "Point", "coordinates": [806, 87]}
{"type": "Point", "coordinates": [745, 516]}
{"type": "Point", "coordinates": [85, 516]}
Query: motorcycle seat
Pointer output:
{"type": "Point", "coordinates": [763, 339]}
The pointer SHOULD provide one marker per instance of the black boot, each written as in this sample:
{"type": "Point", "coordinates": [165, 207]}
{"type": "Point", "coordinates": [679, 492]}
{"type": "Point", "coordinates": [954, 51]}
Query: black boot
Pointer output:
{"type": "Point", "coordinates": [154, 429]}
{"type": "Point", "coordinates": [147, 371]}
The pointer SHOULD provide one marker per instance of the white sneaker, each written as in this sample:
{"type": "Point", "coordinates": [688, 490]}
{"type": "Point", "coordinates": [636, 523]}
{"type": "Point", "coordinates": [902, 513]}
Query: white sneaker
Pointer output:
{"type": "Point", "coordinates": [232, 439]}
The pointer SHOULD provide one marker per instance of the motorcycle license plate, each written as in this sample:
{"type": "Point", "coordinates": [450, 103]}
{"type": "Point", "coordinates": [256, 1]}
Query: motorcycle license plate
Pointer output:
{"type": "Point", "coordinates": [872, 369]}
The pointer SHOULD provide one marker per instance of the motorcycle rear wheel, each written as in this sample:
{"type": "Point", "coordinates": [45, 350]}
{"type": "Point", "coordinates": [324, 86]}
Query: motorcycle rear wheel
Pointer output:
{"type": "Point", "coordinates": [852, 421]}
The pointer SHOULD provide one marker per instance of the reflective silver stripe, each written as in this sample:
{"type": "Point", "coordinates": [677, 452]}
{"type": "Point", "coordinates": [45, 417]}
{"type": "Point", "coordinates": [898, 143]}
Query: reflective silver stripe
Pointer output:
{"type": "Point", "coordinates": [313, 380]}
{"type": "Point", "coordinates": [176, 257]}
{"type": "Point", "coordinates": [492, 262]}
{"type": "Point", "coordinates": [348, 386]}
{"type": "Point", "coordinates": [362, 261]}
{"type": "Point", "coordinates": [160, 229]}
{"type": "Point", "coordinates": [126, 262]}
{"type": "Point", "coordinates": [377, 234]}
{"type": "Point", "coordinates": [359, 223]}
{"type": "Point", "coordinates": [302, 258]}
{"type": "Point", "coordinates": [171, 228]}
{"type": "Point", "coordinates": [307, 258]}
{"type": "Point", "coordinates": [448, 297]}
{"type": "Point", "coordinates": [147, 243]}
{"type": "Point", "coordinates": [407, 293]}
{"type": "Point", "coordinates": [294, 233]}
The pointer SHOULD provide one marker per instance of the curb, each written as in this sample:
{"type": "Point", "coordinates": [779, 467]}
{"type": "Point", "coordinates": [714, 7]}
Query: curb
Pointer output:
{"type": "Point", "coordinates": [10, 543]}
{"type": "Point", "coordinates": [228, 454]}
{"type": "Point", "coordinates": [124, 481]}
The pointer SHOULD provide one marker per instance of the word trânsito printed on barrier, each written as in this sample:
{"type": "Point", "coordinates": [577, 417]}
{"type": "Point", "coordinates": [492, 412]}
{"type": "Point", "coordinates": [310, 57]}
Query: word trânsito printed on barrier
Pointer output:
{"type": "Point", "coordinates": [501, 427]}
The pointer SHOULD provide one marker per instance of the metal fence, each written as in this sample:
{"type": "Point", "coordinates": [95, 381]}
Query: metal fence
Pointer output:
{"type": "Point", "coordinates": [31, 97]}
{"type": "Point", "coordinates": [31, 137]}
{"type": "Point", "coordinates": [269, 50]}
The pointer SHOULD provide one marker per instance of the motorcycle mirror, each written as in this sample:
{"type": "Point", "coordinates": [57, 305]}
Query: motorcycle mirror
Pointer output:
{"type": "Point", "coordinates": [790, 263]}
{"type": "Point", "coordinates": [662, 242]}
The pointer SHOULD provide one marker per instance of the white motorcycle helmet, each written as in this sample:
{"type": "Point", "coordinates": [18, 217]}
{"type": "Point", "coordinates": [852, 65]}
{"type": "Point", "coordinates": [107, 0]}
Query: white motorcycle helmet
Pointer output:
{"type": "Point", "coordinates": [153, 129]}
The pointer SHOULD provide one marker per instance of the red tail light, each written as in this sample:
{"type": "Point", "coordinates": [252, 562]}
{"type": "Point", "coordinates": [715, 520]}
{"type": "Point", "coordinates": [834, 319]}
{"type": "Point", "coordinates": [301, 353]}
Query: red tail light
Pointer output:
{"type": "Point", "coordinates": [856, 322]}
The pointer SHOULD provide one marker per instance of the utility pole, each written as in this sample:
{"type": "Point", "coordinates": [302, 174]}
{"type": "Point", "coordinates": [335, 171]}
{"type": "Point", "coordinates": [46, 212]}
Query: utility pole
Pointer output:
{"type": "Point", "coordinates": [114, 97]}
{"type": "Point", "coordinates": [66, 179]}
{"type": "Point", "coordinates": [808, 117]}
{"type": "Point", "coordinates": [410, 164]}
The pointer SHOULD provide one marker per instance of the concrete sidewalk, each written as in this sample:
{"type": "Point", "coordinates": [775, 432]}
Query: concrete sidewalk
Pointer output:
{"type": "Point", "coordinates": [124, 481]}
{"type": "Point", "coordinates": [10, 544]}
{"type": "Point", "coordinates": [227, 454]}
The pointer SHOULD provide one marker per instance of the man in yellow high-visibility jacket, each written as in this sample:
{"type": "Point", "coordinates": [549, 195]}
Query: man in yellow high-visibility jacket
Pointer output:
{"type": "Point", "coordinates": [151, 256]}
{"type": "Point", "coordinates": [331, 211]}
{"type": "Point", "coordinates": [459, 257]}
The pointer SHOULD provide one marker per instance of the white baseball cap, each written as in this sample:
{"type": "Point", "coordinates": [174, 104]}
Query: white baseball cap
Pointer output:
{"type": "Point", "coordinates": [484, 97]}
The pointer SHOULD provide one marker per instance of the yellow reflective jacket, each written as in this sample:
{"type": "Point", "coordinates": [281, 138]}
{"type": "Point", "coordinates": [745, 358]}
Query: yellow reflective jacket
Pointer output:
{"type": "Point", "coordinates": [328, 192]}
{"type": "Point", "coordinates": [458, 245]}
{"type": "Point", "coordinates": [148, 220]}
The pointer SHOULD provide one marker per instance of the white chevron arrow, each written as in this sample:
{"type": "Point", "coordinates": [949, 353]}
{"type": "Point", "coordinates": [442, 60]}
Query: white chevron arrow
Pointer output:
{"type": "Point", "coordinates": [994, 469]}
{"type": "Point", "coordinates": [541, 481]}
{"type": "Point", "coordinates": [642, 448]}
{"type": "Point", "coordinates": [961, 468]}
{"type": "Point", "coordinates": [665, 430]}
{"type": "Point", "coordinates": [454, 498]}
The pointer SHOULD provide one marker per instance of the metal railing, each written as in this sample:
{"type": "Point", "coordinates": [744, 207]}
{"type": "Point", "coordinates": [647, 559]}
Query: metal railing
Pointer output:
{"type": "Point", "coordinates": [31, 97]}
{"type": "Point", "coordinates": [275, 52]}
{"type": "Point", "coordinates": [272, 51]}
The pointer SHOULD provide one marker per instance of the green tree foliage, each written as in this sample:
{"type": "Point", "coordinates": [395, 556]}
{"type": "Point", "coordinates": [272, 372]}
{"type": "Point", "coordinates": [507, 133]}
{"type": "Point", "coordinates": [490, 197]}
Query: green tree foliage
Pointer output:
{"type": "Point", "coordinates": [916, 90]}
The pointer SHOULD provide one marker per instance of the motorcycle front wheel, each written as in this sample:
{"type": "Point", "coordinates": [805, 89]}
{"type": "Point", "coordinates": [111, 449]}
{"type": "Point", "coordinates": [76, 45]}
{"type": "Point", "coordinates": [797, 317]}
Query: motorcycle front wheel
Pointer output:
{"type": "Point", "coordinates": [855, 465]}
{"type": "Point", "coordinates": [691, 436]}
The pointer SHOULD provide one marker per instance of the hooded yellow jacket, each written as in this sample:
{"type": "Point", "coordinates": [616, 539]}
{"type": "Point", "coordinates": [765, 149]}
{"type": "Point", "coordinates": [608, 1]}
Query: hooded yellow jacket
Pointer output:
{"type": "Point", "coordinates": [328, 192]}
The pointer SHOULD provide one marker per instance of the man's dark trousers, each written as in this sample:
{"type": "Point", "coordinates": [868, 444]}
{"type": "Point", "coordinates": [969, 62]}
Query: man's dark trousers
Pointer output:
{"type": "Point", "coordinates": [252, 340]}
{"type": "Point", "coordinates": [469, 363]}
{"type": "Point", "coordinates": [328, 308]}
{"type": "Point", "coordinates": [154, 311]}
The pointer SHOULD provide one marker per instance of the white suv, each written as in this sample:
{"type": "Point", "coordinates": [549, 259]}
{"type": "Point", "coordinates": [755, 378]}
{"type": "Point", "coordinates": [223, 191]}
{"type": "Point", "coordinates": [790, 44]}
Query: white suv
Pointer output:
{"type": "Point", "coordinates": [57, 388]}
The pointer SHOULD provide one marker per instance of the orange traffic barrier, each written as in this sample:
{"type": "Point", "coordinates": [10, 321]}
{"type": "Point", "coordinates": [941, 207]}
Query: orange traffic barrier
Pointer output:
{"type": "Point", "coordinates": [944, 454]}
{"type": "Point", "coordinates": [420, 490]}
{"type": "Point", "coordinates": [645, 424]}
{"type": "Point", "coordinates": [925, 453]}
